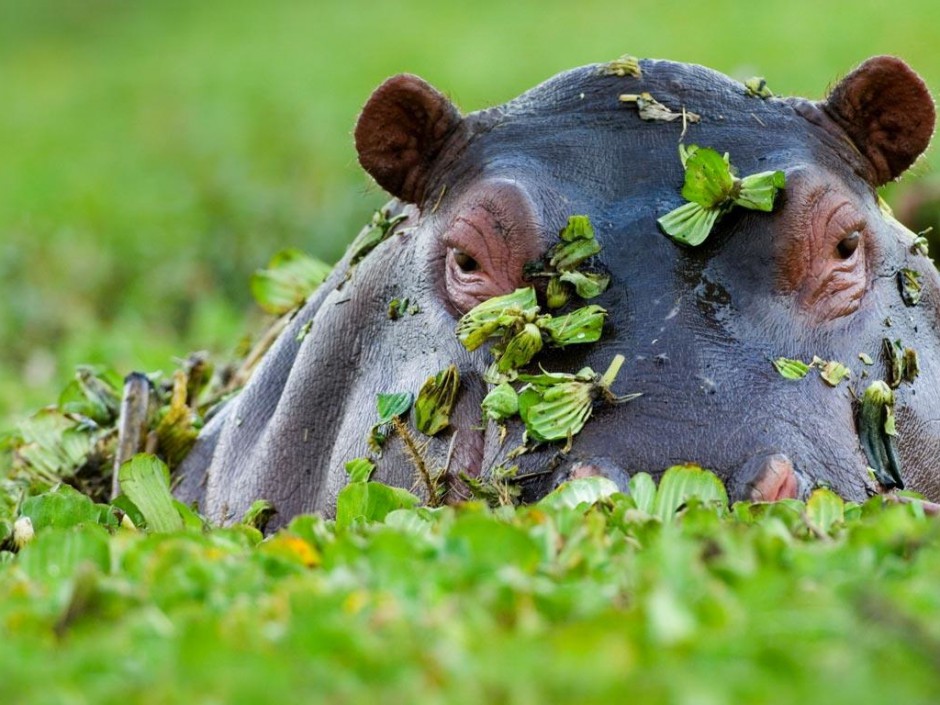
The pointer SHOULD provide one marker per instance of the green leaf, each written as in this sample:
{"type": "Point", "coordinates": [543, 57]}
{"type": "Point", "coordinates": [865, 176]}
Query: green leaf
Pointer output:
{"type": "Point", "coordinates": [501, 402]}
{"type": "Point", "coordinates": [583, 325]}
{"type": "Point", "coordinates": [682, 482]}
{"type": "Point", "coordinates": [708, 179]}
{"type": "Point", "coordinates": [64, 507]}
{"type": "Point", "coordinates": [650, 109]}
{"type": "Point", "coordinates": [791, 369]}
{"type": "Point", "coordinates": [586, 284]}
{"type": "Point", "coordinates": [560, 412]}
{"type": "Point", "coordinates": [145, 480]}
{"type": "Point", "coordinates": [824, 510]}
{"type": "Point", "coordinates": [570, 255]}
{"type": "Point", "coordinates": [557, 293]}
{"type": "Point", "coordinates": [374, 234]}
{"type": "Point", "coordinates": [578, 227]}
{"type": "Point", "coordinates": [391, 405]}
{"type": "Point", "coordinates": [626, 65]}
{"type": "Point", "coordinates": [910, 286]}
{"type": "Point", "coordinates": [757, 87]}
{"type": "Point", "coordinates": [360, 469]}
{"type": "Point", "coordinates": [436, 400]}
{"type": "Point", "coordinates": [866, 358]}
{"type": "Point", "coordinates": [370, 502]}
{"type": "Point", "coordinates": [259, 514]}
{"type": "Point", "coordinates": [759, 191]}
{"type": "Point", "coordinates": [832, 372]}
{"type": "Point", "coordinates": [643, 490]}
{"type": "Point", "coordinates": [690, 224]}
{"type": "Point", "coordinates": [520, 349]}
{"type": "Point", "coordinates": [493, 316]}
{"type": "Point", "coordinates": [291, 276]}
{"type": "Point", "coordinates": [573, 493]}
{"type": "Point", "coordinates": [55, 555]}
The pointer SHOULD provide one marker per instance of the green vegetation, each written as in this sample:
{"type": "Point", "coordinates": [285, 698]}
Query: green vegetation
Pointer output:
{"type": "Point", "coordinates": [666, 595]}
{"type": "Point", "coordinates": [155, 154]}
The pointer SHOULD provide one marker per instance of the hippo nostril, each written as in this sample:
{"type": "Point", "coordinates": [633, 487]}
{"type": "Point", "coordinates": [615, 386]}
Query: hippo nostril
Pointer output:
{"type": "Point", "coordinates": [769, 478]}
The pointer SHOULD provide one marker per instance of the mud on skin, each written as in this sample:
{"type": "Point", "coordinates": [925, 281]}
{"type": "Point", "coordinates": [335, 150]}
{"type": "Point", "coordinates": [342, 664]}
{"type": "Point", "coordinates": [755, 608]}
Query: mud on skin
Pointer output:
{"type": "Point", "coordinates": [487, 193]}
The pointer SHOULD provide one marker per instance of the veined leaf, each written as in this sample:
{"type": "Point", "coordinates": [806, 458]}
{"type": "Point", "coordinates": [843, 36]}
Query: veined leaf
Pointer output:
{"type": "Point", "coordinates": [791, 369]}
{"type": "Point", "coordinates": [145, 480]}
{"type": "Point", "coordinates": [682, 482]}
{"type": "Point", "coordinates": [574, 493]}
{"type": "Point", "coordinates": [436, 400]}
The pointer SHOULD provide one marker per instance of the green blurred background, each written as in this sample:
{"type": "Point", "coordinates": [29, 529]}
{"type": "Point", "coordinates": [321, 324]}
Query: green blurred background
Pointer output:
{"type": "Point", "coordinates": [153, 154]}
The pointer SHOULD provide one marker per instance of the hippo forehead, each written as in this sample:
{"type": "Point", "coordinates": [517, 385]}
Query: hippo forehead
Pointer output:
{"type": "Point", "coordinates": [571, 138]}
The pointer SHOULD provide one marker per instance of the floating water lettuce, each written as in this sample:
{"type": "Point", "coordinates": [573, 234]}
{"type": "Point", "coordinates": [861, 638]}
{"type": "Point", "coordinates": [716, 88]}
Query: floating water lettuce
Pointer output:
{"type": "Point", "coordinates": [290, 277]}
{"type": "Point", "coordinates": [712, 190]}
{"type": "Point", "coordinates": [501, 403]}
{"type": "Point", "coordinates": [389, 407]}
{"type": "Point", "coordinates": [831, 371]}
{"type": "Point", "coordinates": [566, 259]}
{"type": "Point", "coordinates": [435, 401]}
{"type": "Point", "coordinates": [486, 318]}
{"type": "Point", "coordinates": [577, 244]}
{"type": "Point", "coordinates": [582, 325]}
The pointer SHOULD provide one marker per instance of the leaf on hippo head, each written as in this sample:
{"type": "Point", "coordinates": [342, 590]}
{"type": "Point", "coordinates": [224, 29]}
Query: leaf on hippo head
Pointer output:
{"type": "Point", "coordinates": [382, 225]}
{"type": "Point", "coordinates": [690, 224]}
{"type": "Point", "coordinates": [493, 316]}
{"type": "Point", "coordinates": [567, 256]}
{"type": "Point", "coordinates": [711, 189]}
{"type": "Point", "coordinates": [520, 349]}
{"type": "Point", "coordinates": [831, 371]}
{"type": "Point", "coordinates": [756, 86]}
{"type": "Point", "coordinates": [360, 469]}
{"type": "Point", "coordinates": [501, 403]}
{"type": "Point", "coordinates": [651, 110]}
{"type": "Point", "coordinates": [390, 406]}
{"type": "Point", "coordinates": [582, 325]}
{"type": "Point", "coordinates": [910, 286]}
{"type": "Point", "coordinates": [557, 293]}
{"type": "Point", "coordinates": [791, 369]}
{"type": "Point", "coordinates": [436, 400]}
{"type": "Point", "coordinates": [588, 285]}
{"type": "Point", "coordinates": [626, 65]}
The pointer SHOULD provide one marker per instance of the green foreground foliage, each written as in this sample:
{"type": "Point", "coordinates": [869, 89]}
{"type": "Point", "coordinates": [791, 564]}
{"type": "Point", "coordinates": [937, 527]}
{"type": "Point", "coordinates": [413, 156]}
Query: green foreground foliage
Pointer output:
{"type": "Point", "coordinates": [589, 596]}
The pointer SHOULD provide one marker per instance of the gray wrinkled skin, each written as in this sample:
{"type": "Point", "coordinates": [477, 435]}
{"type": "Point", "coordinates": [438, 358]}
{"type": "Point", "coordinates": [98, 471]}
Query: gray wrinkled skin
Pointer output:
{"type": "Point", "coordinates": [698, 327]}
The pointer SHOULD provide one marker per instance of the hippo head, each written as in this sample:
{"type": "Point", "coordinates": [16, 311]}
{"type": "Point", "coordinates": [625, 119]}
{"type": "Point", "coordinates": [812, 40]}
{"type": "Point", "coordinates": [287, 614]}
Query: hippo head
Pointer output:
{"type": "Point", "coordinates": [486, 194]}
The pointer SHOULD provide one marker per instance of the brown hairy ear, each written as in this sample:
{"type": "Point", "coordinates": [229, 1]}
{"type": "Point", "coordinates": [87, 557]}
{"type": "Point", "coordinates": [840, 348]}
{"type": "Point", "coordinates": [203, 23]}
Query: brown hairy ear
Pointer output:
{"type": "Point", "coordinates": [888, 113]}
{"type": "Point", "coordinates": [401, 131]}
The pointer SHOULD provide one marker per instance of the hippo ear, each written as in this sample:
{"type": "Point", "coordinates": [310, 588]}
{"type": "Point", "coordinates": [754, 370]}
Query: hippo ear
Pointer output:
{"type": "Point", "coordinates": [888, 113]}
{"type": "Point", "coordinates": [401, 131]}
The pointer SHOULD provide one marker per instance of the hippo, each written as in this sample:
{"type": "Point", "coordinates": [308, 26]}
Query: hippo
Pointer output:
{"type": "Point", "coordinates": [821, 276]}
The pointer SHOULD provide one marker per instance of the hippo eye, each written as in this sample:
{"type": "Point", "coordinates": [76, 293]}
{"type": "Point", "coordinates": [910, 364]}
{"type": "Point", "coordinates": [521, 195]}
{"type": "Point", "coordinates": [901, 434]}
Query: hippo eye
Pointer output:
{"type": "Point", "coordinates": [849, 244]}
{"type": "Point", "coordinates": [465, 261]}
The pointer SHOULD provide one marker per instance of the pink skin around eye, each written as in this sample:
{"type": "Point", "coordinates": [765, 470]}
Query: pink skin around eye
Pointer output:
{"type": "Point", "coordinates": [487, 246]}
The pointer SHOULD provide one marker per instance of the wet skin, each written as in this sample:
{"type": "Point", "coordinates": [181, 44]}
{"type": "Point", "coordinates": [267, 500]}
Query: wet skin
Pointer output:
{"type": "Point", "coordinates": [487, 193]}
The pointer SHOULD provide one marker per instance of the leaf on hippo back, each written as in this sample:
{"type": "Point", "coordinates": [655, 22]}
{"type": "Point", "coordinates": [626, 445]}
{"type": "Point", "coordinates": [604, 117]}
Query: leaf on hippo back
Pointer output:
{"type": "Point", "coordinates": [145, 479]}
{"type": "Point", "coordinates": [360, 469]}
{"type": "Point", "coordinates": [436, 400]}
{"type": "Point", "coordinates": [756, 87]}
{"type": "Point", "coordinates": [489, 318]}
{"type": "Point", "coordinates": [501, 403]}
{"type": "Point", "coordinates": [582, 325]}
{"type": "Point", "coordinates": [581, 491]}
{"type": "Point", "coordinates": [626, 65]}
{"type": "Point", "coordinates": [683, 482]}
{"type": "Point", "coordinates": [910, 286]}
{"type": "Point", "coordinates": [791, 369]}
{"type": "Point", "coordinates": [588, 285]}
{"type": "Point", "coordinates": [651, 110]}
{"type": "Point", "coordinates": [290, 277]}
{"type": "Point", "coordinates": [690, 224]}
